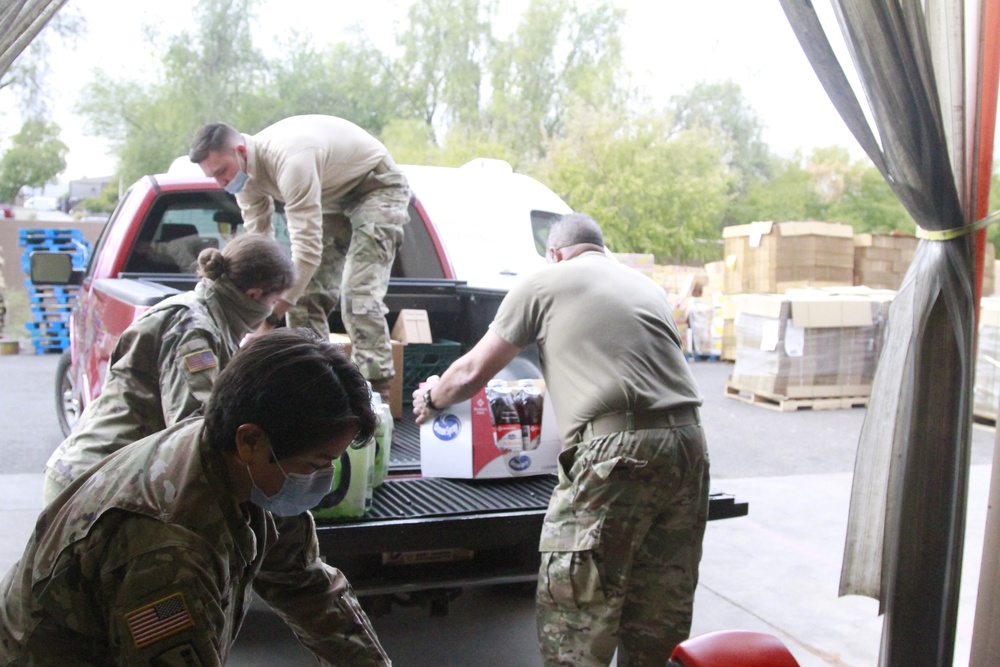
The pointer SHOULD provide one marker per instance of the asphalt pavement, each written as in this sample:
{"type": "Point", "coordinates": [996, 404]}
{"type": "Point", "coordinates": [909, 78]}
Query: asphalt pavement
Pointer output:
{"type": "Point", "coordinates": [775, 570]}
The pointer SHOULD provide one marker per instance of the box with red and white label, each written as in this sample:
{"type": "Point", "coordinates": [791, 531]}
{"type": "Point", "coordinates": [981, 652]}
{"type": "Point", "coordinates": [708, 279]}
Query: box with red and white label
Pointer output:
{"type": "Point", "coordinates": [480, 438]}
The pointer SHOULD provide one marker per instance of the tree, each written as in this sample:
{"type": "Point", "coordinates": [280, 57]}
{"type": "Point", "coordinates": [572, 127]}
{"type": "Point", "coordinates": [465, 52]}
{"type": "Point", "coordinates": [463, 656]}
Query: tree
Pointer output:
{"type": "Point", "coordinates": [650, 191]}
{"type": "Point", "coordinates": [445, 47]}
{"type": "Point", "coordinates": [558, 56]}
{"type": "Point", "coordinates": [36, 157]}
{"type": "Point", "coordinates": [720, 108]}
{"type": "Point", "coordinates": [213, 74]}
{"type": "Point", "coordinates": [350, 80]}
{"type": "Point", "coordinates": [456, 75]}
{"type": "Point", "coordinates": [787, 194]}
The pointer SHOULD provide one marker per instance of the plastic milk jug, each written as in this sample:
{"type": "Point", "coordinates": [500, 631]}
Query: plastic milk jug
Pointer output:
{"type": "Point", "coordinates": [355, 469]}
{"type": "Point", "coordinates": [383, 439]}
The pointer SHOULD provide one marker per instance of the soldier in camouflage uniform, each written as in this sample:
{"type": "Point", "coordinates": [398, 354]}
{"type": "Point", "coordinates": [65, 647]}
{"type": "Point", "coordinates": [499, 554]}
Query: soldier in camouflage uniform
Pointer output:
{"type": "Point", "coordinates": [621, 541]}
{"type": "Point", "coordinates": [346, 204]}
{"type": "Point", "coordinates": [150, 556]}
{"type": "Point", "coordinates": [164, 364]}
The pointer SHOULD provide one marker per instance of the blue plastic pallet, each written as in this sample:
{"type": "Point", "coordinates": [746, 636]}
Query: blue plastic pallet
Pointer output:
{"type": "Point", "coordinates": [48, 327]}
{"type": "Point", "coordinates": [35, 235]}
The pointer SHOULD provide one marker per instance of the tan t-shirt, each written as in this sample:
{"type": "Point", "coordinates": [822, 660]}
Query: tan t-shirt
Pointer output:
{"type": "Point", "coordinates": [606, 339]}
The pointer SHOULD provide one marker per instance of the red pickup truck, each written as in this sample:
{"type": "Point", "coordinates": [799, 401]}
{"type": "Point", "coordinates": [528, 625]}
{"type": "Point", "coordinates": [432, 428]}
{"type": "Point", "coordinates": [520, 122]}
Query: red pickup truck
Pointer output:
{"type": "Point", "coordinates": [422, 535]}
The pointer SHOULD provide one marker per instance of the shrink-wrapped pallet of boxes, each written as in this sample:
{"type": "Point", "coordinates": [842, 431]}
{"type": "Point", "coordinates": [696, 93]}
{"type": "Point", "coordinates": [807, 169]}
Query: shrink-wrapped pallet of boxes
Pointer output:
{"type": "Point", "coordinates": [986, 389]}
{"type": "Point", "coordinates": [881, 260]}
{"type": "Point", "coordinates": [772, 257]}
{"type": "Point", "coordinates": [811, 350]}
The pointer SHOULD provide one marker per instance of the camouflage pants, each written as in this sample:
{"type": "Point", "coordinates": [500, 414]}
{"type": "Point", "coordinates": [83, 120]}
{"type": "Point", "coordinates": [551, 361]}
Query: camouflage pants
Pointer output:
{"type": "Point", "coordinates": [359, 247]}
{"type": "Point", "coordinates": [621, 544]}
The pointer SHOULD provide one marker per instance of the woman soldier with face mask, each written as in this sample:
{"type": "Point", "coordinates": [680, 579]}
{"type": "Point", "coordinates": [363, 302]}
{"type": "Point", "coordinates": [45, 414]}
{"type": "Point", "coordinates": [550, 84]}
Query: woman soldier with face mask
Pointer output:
{"type": "Point", "coordinates": [165, 363]}
{"type": "Point", "coordinates": [150, 556]}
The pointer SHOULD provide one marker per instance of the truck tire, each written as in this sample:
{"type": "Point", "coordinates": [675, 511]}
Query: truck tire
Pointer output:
{"type": "Point", "coordinates": [67, 396]}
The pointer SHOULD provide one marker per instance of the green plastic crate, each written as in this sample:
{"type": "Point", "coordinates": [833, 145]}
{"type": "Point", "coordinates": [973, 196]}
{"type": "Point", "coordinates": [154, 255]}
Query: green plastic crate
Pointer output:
{"type": "Point", "coordinates": [421, 360]}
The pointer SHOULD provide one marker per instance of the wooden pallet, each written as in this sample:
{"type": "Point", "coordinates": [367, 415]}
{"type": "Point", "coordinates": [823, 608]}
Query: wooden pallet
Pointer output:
{"type": "Point", "coordinates": [786, 404]}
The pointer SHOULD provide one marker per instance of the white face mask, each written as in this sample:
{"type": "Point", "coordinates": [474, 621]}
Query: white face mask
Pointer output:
{"type": "Point", "coordinates": [236, 183]}
{"type": "Point", "coordinates": [299, 493]}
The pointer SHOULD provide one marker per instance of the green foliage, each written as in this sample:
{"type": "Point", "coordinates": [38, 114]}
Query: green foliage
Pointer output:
{"type": "Point", "coordinates": [828, 186]}
{"type": "Point", "coordinates": [209, 75]}
{"type": "Point", "coordinates": [993, 231]}
{"type": "Point", "coordinates": [558, 56]}
{"type": "Point", "coordinates": [103, 203]}
{"type": "Point", "coordinates": [36, 156]}
{"type": "Point", "coordinates": [347, 80]}
{"type": "Point", "coordinates": [650, 192]}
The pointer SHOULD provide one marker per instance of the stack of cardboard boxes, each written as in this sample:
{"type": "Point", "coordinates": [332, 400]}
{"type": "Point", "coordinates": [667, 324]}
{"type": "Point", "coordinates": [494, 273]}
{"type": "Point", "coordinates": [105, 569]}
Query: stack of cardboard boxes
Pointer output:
{"type": "Point", "coordinates": [881, 260]}
{"type": "Point", "coordinates": [805, 345]}
{"type": "Point", "coordinates": [798, 332]}
{"type": "Point", "coordinates": [772, 257]}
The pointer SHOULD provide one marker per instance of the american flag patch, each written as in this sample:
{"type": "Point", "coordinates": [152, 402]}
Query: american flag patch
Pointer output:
{"type": "Point", "coordinates": [200, 361]}
{"type": "Point", "coordinates": [161, 619]}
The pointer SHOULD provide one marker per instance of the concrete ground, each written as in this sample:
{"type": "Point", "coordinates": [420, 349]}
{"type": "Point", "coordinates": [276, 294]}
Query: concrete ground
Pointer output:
{"type": "Point", "coordinates": [776, 570]}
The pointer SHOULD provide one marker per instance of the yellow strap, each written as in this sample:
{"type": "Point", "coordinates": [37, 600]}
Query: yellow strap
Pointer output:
{"type": "Point", "coordinates": [949, 234]}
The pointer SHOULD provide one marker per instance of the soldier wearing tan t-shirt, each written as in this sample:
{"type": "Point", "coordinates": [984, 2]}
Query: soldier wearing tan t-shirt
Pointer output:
{"type": "Point", "coordinates": [346, 204]}
{"type": "Point", "coordinates": [621, 541]}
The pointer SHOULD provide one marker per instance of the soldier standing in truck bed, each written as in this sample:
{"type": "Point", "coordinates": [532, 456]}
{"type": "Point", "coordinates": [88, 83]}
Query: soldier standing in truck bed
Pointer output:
{"type": "Point", "coordinates": [346, 204]}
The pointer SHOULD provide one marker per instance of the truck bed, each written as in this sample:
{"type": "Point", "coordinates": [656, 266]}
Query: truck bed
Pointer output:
{"type": "Point", "coordinates": [422, 533]}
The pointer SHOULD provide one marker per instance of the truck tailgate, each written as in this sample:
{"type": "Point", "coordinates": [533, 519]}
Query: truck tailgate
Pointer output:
{"type": "Point", "coordinates": [424, 532]}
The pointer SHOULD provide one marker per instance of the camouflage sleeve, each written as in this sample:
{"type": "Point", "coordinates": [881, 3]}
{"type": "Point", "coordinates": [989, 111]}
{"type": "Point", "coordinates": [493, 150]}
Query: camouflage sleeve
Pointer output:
{"type": "Point", "coordinates": [187, 374]}
{"type": "Point", "coordinates": [315, 599]}
{"type": "Point", "coordinates": [169, 598]}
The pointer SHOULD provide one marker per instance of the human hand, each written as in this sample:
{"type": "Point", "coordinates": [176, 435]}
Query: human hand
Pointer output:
{"type": "Point", "coordinates": [420, 409]}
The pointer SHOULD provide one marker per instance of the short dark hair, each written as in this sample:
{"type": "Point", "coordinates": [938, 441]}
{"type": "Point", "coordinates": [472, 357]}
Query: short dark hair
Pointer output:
{"type": "Point", "coordinates": [300, 389]}
{"type": "Point", "coordinates": [574, 228]}
{"type": "Point", "coordinates": [250, 260]}
{"type": "Point", "coordinates": [211, 137]}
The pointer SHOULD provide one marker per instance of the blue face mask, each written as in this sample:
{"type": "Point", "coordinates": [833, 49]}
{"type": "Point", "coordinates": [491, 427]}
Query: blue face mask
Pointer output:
{"type": "Point", "coordinates": [236, 183]}
{"type": "Point", "coordinates": [298, 494]}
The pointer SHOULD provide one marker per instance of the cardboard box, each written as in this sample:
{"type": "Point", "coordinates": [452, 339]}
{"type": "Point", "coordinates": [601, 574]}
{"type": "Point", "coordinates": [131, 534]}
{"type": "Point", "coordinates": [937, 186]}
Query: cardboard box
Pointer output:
{"type": "Point", "coordinates": [772, 257]}
{"type": "Point", "coordinates": [881, 260]}
{"type": "Point", "coordinates": [396, 386]}
{"type": "Point", "coordinates": [461, 442]}
{"type": "Point", "coordinates": [412, 326]}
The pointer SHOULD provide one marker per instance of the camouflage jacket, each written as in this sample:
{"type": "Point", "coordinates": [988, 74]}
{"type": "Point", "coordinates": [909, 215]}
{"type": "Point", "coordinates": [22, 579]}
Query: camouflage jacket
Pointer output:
{"type": "Point", "coordinates": [161, 371]}
{"type": "Point", "coordinates": [148, 559]}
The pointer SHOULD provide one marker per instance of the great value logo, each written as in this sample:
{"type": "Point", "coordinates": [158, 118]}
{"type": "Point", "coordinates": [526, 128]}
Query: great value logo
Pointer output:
{"type": "Point", "coordinates": [519, 463]}
{"type": "Point", "coordinates": [446, 426]}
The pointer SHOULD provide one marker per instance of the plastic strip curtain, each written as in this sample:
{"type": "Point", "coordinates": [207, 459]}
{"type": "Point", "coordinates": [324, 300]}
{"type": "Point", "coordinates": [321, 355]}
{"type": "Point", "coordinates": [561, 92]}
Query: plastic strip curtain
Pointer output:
{"type": "Point", "coordinates": [20, 22]}
{"type": "Point", "coordinates": [906, 525]}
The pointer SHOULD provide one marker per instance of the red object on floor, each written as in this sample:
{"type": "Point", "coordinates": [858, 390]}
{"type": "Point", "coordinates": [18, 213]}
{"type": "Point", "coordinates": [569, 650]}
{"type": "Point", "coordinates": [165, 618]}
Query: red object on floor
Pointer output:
{"type": "Point", "coordinates": [733, 648]}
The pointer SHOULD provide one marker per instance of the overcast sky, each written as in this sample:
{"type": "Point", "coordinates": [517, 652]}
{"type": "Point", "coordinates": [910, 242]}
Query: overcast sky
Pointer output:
{"type": "Point", "coordinates": [670, 45]}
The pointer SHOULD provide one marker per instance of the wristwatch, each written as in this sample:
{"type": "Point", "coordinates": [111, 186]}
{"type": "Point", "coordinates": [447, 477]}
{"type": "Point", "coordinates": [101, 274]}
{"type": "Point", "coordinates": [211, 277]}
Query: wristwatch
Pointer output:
{"type": "Point", "coordinates": [428, 402]}
{"type": "Point", "coordinates": [274, 319]}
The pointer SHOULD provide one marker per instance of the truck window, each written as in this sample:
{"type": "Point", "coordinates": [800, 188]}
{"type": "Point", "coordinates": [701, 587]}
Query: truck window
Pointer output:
{"type": "Point", "coordinates": [417, 257]}
{"type": "Point", "coordinates": [182, 224]}
{"type": "Point", "coordinates": [541, 221]}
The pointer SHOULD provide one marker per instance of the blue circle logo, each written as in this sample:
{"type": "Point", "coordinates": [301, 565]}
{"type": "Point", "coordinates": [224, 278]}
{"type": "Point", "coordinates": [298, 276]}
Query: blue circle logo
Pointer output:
{"type": "Point", "coordinates": [519, 463]}
{"type": "Point", "coordinates": [446, 426]}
